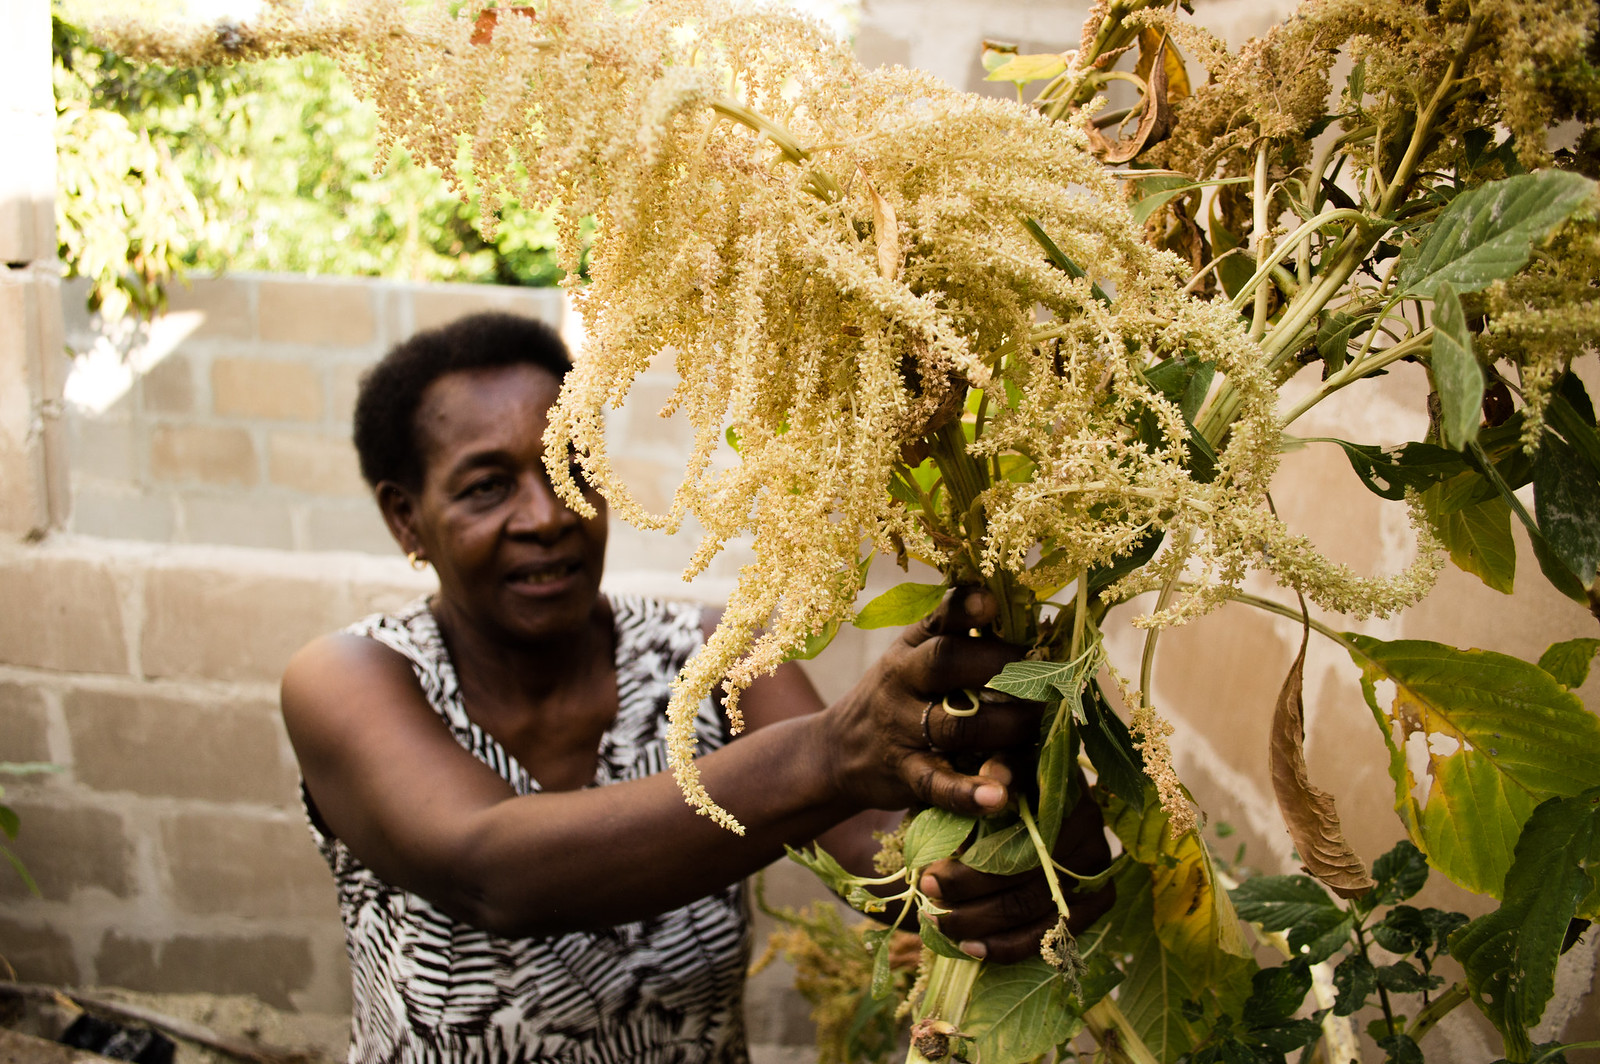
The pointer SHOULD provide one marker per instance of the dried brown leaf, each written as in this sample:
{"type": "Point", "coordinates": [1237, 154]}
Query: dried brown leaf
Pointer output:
{"type": "Point", "coordinates": [1309, 813]}
{"type": "Point", "coordinates": [1155, 118]}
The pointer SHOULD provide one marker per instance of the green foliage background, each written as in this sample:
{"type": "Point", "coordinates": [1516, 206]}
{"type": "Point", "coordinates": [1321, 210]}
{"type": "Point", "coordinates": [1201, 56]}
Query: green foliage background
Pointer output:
{"type": "Point", "coordinates": [266, 166]}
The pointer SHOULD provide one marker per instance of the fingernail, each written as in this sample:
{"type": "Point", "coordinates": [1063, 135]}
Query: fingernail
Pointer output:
{"type": "Point", "coordinates": [990, 795]}
{"type": "Point", "coordinates": [929, 885]}
{"type": "Point", "coordinates": [974, 949]}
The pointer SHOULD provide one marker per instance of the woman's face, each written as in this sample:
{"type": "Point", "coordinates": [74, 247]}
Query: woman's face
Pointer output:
{"type": "Point", "coordinates": [512, 559]}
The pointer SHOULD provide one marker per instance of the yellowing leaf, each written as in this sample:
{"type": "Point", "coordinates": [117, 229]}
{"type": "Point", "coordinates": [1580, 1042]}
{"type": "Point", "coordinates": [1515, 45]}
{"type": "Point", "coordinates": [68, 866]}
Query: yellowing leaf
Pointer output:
{"type": "Point", "coordinates": [1476, 741]}
{"type": "Point", "coordinates": [1177, 76]}
{"type": "Point", "coordinates": [1021, 69]}
{"type": "Point", "coordinates": [1194, 918]}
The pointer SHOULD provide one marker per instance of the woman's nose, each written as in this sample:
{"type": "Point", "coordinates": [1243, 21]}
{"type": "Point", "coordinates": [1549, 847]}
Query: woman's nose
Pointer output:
{"type": "Point", "coordinates": [539, 511]}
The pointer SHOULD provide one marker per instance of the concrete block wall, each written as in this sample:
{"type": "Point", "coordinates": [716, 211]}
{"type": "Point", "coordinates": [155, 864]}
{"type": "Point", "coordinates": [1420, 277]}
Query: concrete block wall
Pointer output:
{"type": "Point", "coordinates": [169, 849]}
{"type": "Point", "coordinates": [234, 426]}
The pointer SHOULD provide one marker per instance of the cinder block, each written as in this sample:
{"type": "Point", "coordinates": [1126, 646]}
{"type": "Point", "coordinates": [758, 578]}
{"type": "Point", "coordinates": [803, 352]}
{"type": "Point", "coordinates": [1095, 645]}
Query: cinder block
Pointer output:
{"type": "Point", "coordinates": [38, 954]}
{"type": "Point", "coordinates": [266, 965]}
{"type": "Point", "coordinates": [352, 526]}
{"type": "Point", "coordinates": [239, 520]}
{"type": "Point", "coordinates": [62, 613]}
{"type": "Point", "coordinates": [217, 624]}
{"type": "Point", "coordinates": [325, 312]}
{"type": "Point", "coordinates": [651, 483]}
{"type": "Point", "coordinates": [243, 866]}
{"type": "Point", "coordinates": [24, 726]}
{"type": "Point", "coordinates": [646, 429]}
{"type": "Point", "coordinates": [208, 454]}
{"type": "Point", "coordinates": [278, 389]}
{"type": "Point", "coordinates": [167, 748]}
{"type": "Point", "coordinates": [315, 463]}
{"type": "Point", "coordinates": [343, 385]}
{"type": "Point", "coordinates": [67, 850]}
{"type": "Point", "coordinates": [168, 386]}
{"type": "Point", "coordinates": [435, 306]}
{"type": "Point", "coordinates": [224, 304]}
{"type": "Point", "coordinates": [114, 514]}
{"type": "Point", "coordinates": [103, 448]}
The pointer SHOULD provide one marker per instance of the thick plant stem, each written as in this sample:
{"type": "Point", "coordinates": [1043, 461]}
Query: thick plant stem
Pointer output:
{"type": "Point", "coordinates": [950, 983]}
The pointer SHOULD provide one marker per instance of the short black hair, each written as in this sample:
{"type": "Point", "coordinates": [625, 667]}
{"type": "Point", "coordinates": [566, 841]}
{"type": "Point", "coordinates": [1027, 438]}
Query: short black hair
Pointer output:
{"type": "Point", "coordinates": [385, 429]}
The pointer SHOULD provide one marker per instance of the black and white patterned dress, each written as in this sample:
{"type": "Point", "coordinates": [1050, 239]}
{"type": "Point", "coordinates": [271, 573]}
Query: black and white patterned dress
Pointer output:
{"type": "Point", "coordinates": [428, 988]}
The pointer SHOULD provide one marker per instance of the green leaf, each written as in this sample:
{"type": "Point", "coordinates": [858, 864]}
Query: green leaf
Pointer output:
{"type": "Point", "coordinates": [1233, 270]}
{"type": "Point", "coordinates": [1276, 994]}
{"type": "Point", "coordinates": [1457, 377]}
{"type": "Point", "coordinates": [1288, 1036]}
{"type": "Point", "coordinates": [822, 865]}
{"type": "Point", "coordinates": [816, 642]}
{"type": "Point", "coordinates": [1157, 983]}
{"type": "Point", "coordinates": [1400, 874]}
{"type": "Point", "coordinates": [1021, 69]}
{"type": "Point", "coordinates": [1569, 662]}
{"type": "Point", "coordinates": [1479, 540]}
{"type": "Point", "coordinates": [1566, 503]}
{"type": "Point", "coordinates": [934, 835]}
{"type": "Point", "coordinates": [879, 942]}
{"type": "Point", "coordinates": [939, 942]}
{"type": "Point", "coordinates": [1510, 955]}
{"type": "Point", "coordinates": [1488, 233]}
{"type": "Point", "coordinates": [1058, 778]}
{"type": "Point", "coordinates": [1555, 570]}
{"type": "Point", "coordinates": [1388, 474]}
{"type": "Point", "coordinates": [1003, 852]}
{"type": "Point", "coordinates": [1111, 751]}
{"type": "Point", "coordinates": [901, 605]}
{"type": "Point", "coordinates": [1572, 414]}
{"type": "Point", "coordinates": [1401, 1049]}
{"type": "Point", "coordinates": [1194, 917]}
{"type": "Point", "coordinates": [1317, 926]}
{"type": "Point", "coordinates": [1336, 333]}
{"type": "Point", "coordinates": [1403, 977]}
{"type": "Point", "coordinates": [1354, 980]}
{"type": "Point", "coordinates": [1039, 681]}
{"type": "Point", "coordinates": [1059, 259]}
{"type": "Point", "coordinates": [10, 823]}
{"type": "Point", "coordinates": [1019, 1012]}
{"type": "Point", "coordinates": [1156, 192]}
{"type": "Point", "coordinates": [1105, 576]}
{"type": "Point", "coordinates": [1498, 736]}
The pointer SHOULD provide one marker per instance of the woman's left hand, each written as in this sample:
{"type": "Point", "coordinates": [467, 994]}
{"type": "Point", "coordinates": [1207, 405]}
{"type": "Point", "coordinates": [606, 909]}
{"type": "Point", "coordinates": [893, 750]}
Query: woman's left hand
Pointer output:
{"type": "Point", "coordinates": [1003, 918]}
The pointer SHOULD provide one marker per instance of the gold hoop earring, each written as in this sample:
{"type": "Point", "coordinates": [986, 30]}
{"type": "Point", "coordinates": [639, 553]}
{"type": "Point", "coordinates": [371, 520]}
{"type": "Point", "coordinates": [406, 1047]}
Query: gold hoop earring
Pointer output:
{"type": "Point", "coordinates": [418, 562]}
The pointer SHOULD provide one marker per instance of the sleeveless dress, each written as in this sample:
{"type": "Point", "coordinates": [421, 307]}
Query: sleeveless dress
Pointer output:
{"type": "Point", "coordinates": [427, 988]}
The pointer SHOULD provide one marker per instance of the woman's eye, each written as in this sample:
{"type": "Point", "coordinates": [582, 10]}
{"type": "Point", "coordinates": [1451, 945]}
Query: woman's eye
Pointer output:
{"type": "Point", "coordinates": [483, 488]}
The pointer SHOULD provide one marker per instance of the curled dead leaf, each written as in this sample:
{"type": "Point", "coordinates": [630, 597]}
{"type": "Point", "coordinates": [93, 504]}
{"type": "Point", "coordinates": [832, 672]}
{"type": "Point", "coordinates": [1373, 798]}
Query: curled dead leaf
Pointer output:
{"type": "Point", "coordinates": [1309, 813]}
{"type": "Point", "coordinates": [1155, 117]}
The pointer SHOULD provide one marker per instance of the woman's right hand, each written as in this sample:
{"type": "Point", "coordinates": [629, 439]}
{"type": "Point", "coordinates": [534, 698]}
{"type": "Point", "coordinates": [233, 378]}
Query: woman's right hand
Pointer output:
{"type": "Point", "coordinates": [890, 750]}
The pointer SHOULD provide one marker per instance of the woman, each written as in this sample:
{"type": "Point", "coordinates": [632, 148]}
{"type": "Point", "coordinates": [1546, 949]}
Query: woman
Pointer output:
{"type": "Point", "coordinates": [519, 880]}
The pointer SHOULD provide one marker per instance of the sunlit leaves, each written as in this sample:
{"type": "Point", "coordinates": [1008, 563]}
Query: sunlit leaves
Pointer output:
{"type": "Point", "coordinates": [902, 604]}
{"type": "Point", "coordinates": [1492, 736]}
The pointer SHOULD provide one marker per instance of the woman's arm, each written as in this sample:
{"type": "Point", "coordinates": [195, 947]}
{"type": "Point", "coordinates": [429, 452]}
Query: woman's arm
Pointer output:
{"type": "Point", "coordinates": [423, 814]}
